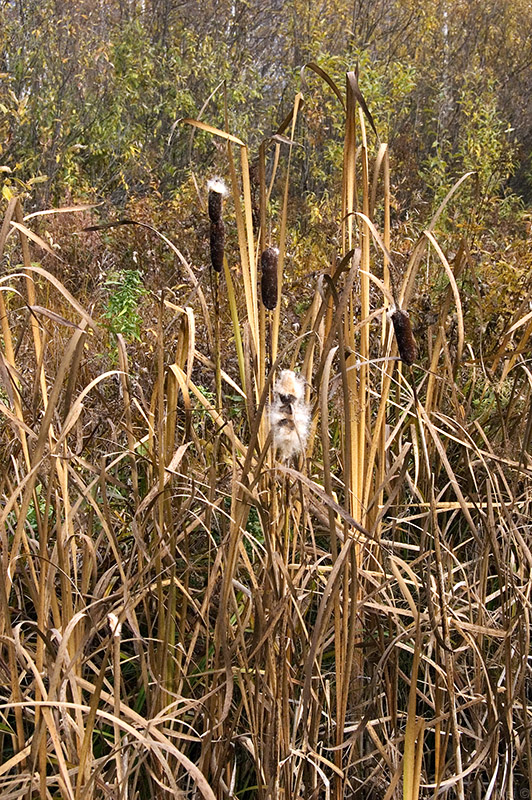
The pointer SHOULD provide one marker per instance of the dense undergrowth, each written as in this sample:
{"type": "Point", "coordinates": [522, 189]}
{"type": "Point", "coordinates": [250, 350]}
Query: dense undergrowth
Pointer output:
{"type": "Point", "coordinates": [185, 615]}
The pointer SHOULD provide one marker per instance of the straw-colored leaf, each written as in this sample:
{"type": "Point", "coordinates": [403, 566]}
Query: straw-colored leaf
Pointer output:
{"type": "Point", "coordinates": [37, 239]}
{"type": "Point", "coordinates": [215, 131]}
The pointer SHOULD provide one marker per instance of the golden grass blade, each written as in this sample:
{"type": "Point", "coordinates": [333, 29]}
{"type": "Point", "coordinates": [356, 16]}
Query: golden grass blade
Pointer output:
{"type": "Point", "coordinates": [6, 223]}
{"type": "Point", "coordinates": [413, 729]}
{"type": "Point", "coordinates": [36, 239]}
{"type": "Point", "coordinates": [46, 312]}
{"type": "Point", "coordinates": [403, 587]}
{"type": "Point", "coordinates": [58, 749]}
{"type": "Point", "coordinates": [66, 294]}
{"type": "Point", "coordinates": [215, 131]}
{"type": "Point", "coordinates": [407, 287]}
{"type": "Point", "coordinates": [126, 389]}
{"type": "Point", "coordinates": [18, 424]}
{"type": "Point", "coordinates": [14, 760]}
{"type": "Point", "coordinates": [328, 80]}
{"type": "Point", "coordinates": [388, 260]}
{"type": "Point", "coordinates": [282, 237]}
{"type": "Point", "coordinates": [364, 397]}
{"type": "Point", "coordinates": [354, 88]}
{"type": "Point", "coordinates": [30, 290]}
{"type": "Point", "coordinates": [217, 418]}
{"type": "Point", "coordinates": [456, 295]}
{"type": "Point", "coordinates": [247, 250]}
{"type": "Point", "coordinates": [251, 255]}
{"type": "Point", "coordinates": [381, 164]}
{"type": "Point", "coordinates": [77, 405]}
{"type": "Point", "coordinates": [62, 210]}
{"type": "Point", "coordinates": [170, 471]}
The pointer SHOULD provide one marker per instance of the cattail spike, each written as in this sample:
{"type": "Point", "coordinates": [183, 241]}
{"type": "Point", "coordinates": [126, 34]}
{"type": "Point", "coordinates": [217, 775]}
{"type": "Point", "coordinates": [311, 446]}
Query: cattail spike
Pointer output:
{"type": "Point", "coordinates": [217, 245]}
{"type": "Point", "coordinates": [217, 191]}
{"type": "Point", "coordinates": [404, 336]}
{"type": "Point", "coordinates": [215, 207]}
{"type": "Point", "coordinates": [268, 284]}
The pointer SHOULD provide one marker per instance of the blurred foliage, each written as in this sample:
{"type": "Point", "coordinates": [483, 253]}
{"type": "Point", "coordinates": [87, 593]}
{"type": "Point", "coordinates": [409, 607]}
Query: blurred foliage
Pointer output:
{"type": "Point", "coordinates": [89, 93]}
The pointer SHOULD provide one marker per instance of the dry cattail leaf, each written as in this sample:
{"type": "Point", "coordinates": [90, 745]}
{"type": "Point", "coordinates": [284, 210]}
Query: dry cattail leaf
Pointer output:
{"type": "Point", "coordinates": [268, 283]}
{"type": "Point", "coordinates": [404, 336]}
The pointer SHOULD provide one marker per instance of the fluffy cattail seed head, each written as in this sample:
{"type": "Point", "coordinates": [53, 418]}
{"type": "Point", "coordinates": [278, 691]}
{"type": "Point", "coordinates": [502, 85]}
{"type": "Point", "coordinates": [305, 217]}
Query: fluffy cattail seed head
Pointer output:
{"type": "Point", "coordinates": [268, 284]}
{"type": "Point", "coordinates": [217, 239]}
{"type": "Point", "coordinates": [290, 385]}
{"type": "Point", "coordinates": [404, 336]}
{"type": "Point", "coordinates": [289, 415]}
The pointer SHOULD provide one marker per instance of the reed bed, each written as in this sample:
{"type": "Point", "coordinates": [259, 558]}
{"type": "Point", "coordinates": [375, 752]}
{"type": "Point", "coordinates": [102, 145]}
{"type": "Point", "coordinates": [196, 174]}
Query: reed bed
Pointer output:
{"type": "Point", "coordinates": [186, 613]}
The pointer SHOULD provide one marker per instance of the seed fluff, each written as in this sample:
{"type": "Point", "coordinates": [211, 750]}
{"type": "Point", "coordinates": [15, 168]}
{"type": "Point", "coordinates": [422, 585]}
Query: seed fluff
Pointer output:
{"type": "Point", "coordinates": [289, 415]}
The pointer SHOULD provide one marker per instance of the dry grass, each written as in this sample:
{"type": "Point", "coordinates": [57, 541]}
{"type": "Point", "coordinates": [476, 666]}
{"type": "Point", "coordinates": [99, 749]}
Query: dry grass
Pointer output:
{"type": "Point", "coordinates": [181, 614]}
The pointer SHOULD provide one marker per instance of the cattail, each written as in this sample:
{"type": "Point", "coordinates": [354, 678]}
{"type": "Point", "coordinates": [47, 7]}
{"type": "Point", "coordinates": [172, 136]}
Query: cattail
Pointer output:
{"type": "Point", "coordinates": [217, 191]}
{"type": "Point", "coordinates": [217, 245]}
{"type": "Point", "coordinates": [268, 284]}
{"type": "Point", "coordinates": [404, 336]}
{"type": "Point", "coordinates": [289, 415]}
{"type": "Point", "coordinates": [254, 185]}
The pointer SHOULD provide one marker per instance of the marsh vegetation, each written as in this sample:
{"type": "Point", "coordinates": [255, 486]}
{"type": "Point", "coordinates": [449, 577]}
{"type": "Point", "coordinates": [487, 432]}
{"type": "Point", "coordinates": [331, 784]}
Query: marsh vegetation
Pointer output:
{"type": "Point", "coordinates": [195, 605]}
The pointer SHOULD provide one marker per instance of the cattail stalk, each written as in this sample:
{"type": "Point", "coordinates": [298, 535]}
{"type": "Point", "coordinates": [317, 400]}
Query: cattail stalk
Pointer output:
{"type": "Point", "coordinates": [217, 191]}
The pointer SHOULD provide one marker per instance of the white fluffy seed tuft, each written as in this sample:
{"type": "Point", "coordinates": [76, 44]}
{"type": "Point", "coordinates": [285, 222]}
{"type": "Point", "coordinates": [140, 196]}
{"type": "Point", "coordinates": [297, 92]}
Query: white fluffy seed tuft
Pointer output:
{"type": "Point", "coordinates": [217, 185]}
{"type": "Point", "coordinates": [289, 415]}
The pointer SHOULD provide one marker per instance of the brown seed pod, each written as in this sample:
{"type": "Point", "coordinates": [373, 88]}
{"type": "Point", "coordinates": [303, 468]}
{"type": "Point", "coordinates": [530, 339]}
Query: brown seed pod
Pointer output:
{"type": "Point", "coordinates": [215, 206]}
{"type": "Point", "coordinates": [217, 245]}
{"type": "Point", "coordinates": [268, 284]}
{"type": "Point", "coordinates": [404, 336]}
{"type": "Point", "coordinates": [217, 191]}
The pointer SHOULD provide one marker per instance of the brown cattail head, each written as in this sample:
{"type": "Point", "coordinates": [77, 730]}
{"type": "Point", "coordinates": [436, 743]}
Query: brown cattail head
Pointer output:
{"type": "Point", "coordinates": [217, 191]}
{"type": "Point", "coordinates": [217, 245]}
{"type": "Point", "coordinates": [404, 336]}
{"type": "Point", "coordinates": [268, 284]}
